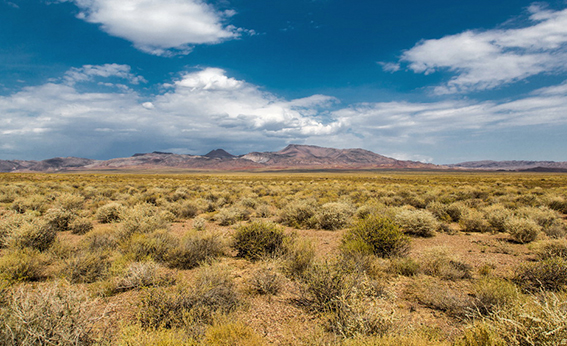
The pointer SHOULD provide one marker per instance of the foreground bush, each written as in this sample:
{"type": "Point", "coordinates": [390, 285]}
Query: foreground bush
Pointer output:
{"type": "Point", "coordinates": [21, 265]}
{"type": "Point", "coordinates": [34, 234]}
{"type": "Point", "coordinates": [376, 235]}
{"type": "Point", "coordinates": [54, 314]}
{"type": "Point", "coordinates": [298, 214]}
{"type": "Point", "coordinates": [258, 239]}
{"type": "Point", "coordinates": [548, 274]}
{"type": "Point", "coordinates": [195, 249]}
{"type": "Point", "coordinates": [142, 218]}
{"type": "Point", "coordinates": [212, 293]}
{"type": "Point", "coordinates": [439, 262]}
{"type": "Point", "coordinates": [110, 212]}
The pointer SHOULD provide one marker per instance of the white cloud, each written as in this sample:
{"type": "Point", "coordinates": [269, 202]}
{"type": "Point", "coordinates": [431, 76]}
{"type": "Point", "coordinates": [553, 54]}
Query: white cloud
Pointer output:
{"type": "Point", "coordinates": [206, 109]}
{"type": "Point", "coordinates": [165, 27]}
{"type": "Point", "coordinates": [487, 59]}
{"type": "Point", "coordinates": [88, 73]}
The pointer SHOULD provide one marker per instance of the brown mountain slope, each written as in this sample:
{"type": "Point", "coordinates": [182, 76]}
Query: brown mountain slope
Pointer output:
{"type": "Point", "coordinates": [292, 157]}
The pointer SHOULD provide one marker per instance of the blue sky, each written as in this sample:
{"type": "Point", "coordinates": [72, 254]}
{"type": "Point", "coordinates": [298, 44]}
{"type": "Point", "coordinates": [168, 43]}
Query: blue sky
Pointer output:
{"type": "Point", "coordinates": [437, 81]}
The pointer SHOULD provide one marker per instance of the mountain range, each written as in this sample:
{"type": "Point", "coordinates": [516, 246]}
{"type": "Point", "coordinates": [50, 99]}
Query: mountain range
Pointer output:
{"type": "Point", "coordinates": [292, 157]}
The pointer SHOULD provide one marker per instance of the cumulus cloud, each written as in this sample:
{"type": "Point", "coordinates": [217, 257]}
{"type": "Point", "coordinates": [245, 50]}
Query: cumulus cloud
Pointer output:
{"type": "Point", "coordinates": [484, 60]}
{"type": "Point", "coordinates": [198, 108]}
{"type": "Point", "coordinates": [207, 108]}
{"type": "Point", "coordinates": [165, 27]}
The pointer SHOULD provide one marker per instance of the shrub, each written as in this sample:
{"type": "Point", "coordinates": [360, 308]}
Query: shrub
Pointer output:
{"type": "Point", "coordinates": [493, 294]}
{"type": "Point", "coordinates": [59, 219]}
{"type": "Point", "coordinates": [474, 221]}
{"type": "Point", "coordinates": [456, 211]}
{"type": "Point", "coordinates": [298, 214]}
{"type": "Point", "coordinates": [258, 239]}
{"type": "Point", "coordinates": [536, 320]}
{"type": "Point", "coordinates": [199, 224]}
{"type": "Point", "coordinates": [522, 230]}
{"type": "Point", "coordinates": [21, 265]}
{"type": "Point", "coordinates": [551, 248]}
{"type": "Point", "coordinates": [34, 234]}
{"type": "Point", "coordinates": [142, 274]}
{"type": "Point", "coordinates": [195, 249]}
{"type": "Point", "coordinates": [437, 295]}
{"type": "Point", "coordinates": [265, 280]}
{"type": "Point", "coordinates": [333, 216]}
{"type": "Point", "coordinates": [229, 216]}
{"type": "Point", "coordinates": [134, 335]}
{"type": "Point", "coordinates": [497, 215]}
{"type": "Point", "coordinates": [232, 333]}
{"type": "Point", "coordinates": [548, 274]}
{"type": "Point", "coordinates": [556, 231]}
{"type": "Point", "coordinates": [355, 317]}
{"type": "Point", "coordinates": [156, 245]}
{"type": "Point", "coordinates": [378, 236]}
{"type": "Point", "coordinates": [323, 284]}
{"type": "Point", "coordinates": [54, 314]}
{"type": "Point", "coordinates": [69, 202]}
{"type": "Point", "coordinates": [543, 216]}
{"type": "Point", "coordinates": [213, 292]}
{"type": "Point", "coordinates": [437, 262]}
{"type": "Point", "coordinates": [298, 256]}
{"type": "Point", "coordinates": [142, 218]}
{"type": "Point", "coordinates": [558, 203]}
{"type": "Point", "coordinates": [405, 266]}
{"type": "Point", "coordinates": [86, 267]}
{"type": "Point", "coordinates": [80, 226]}
{"type": "Point", "coordinates": [100, 240]}
{"type": "Point", "coordinates": [184, 210]}
{"type": "Point", "coordinates": [36, 203]}
{"type": "Point", "coordinates": [439, 210]}
{"type": "Point", "coordinates": [417, 222]}
{"type": "Point", "coordinates": [110, 212]}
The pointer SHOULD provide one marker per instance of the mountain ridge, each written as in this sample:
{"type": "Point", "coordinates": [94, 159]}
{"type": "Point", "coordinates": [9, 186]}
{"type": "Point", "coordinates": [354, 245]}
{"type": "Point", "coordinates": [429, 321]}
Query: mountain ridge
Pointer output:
{"type": "Point", "coordinates": [292, 157]}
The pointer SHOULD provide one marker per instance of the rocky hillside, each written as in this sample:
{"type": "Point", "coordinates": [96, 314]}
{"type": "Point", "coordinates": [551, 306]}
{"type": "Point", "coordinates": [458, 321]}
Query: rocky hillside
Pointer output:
{"type": "Point", "coordinates": [536, 166]}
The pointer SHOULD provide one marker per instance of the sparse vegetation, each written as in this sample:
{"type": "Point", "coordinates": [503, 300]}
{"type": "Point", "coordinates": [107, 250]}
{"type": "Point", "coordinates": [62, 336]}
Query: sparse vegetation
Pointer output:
{"type": "Point", "coordinates": [387, 258]}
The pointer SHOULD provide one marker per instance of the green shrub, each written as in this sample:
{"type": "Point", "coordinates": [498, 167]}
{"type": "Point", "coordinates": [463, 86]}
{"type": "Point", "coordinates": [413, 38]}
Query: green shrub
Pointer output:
{"type": "Point", "coordinates": [298, 214]}
{"type": "Point", "coordinates": [195, 249]}
{"type": "Point", "coordinates": [298, 256]}
{"type": "Point", "coordinates": [86, 267]}
{"type": "Point", "coordinates": [230, 216]}
{"type": "Point", "coordinates": [34, 234]}
{"type": "Point", "coordinates": [323, 285]}
{"type": "Point", "coordinates": [474, 221]}
{"type": "Point", "coordinates": [142, 218]}
{"type": "Point", "coordinates": [494, 294]}
{"type": "Point", "coordinates": [36, 203]}
{"type": "Point", "coordinates": [497, 215]}
{"type": "Point", "coordinates": [405, 266]}
{"type": "Point", "coordinates": [184, 209]}
{"type": "Point", "coordinates": [356, 317]}
{"type": "Point", "coordinates": [258, 239]}
{"type": "Point", "coordinates": [110, 212]}
{"type": "Point", "coordinates": [333, 216]}
{"type": "Point", "coordinates": [378, 236]}
{"type": "Point", "coordinates": [54, 314]}
{"type": "Point", "coordinates": [439, 210]}
{"type": "Point", "coordinates": [522, 230]}
{"type": "Point", "coordinates": [548, 274]}
{"type": "Point", "coordinates": [417, 222]}
{"type": "Point", "coordinates": [21, 265]}
{"type": "Point", "coordinates": [156, 245]}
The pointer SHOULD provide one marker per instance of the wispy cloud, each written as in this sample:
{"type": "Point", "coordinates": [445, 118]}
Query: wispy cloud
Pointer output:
{"type": "Point", "coordinates": [482, 60]}
{"type": "Point", "coordinates": [166, 27]}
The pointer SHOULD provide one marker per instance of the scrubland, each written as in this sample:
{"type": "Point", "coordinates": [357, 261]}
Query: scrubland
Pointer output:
{"type": "Point", "coordinates": [368, 258]}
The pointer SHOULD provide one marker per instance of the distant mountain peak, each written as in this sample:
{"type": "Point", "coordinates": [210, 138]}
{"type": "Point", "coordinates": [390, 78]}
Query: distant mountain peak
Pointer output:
{"type": "Point", "coordinates": [219, 154]}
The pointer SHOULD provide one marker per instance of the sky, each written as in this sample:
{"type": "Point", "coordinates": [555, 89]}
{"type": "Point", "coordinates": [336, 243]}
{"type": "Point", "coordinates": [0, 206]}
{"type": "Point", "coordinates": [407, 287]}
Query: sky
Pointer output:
{"type": "Point", "coordinates": [439, 81]}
